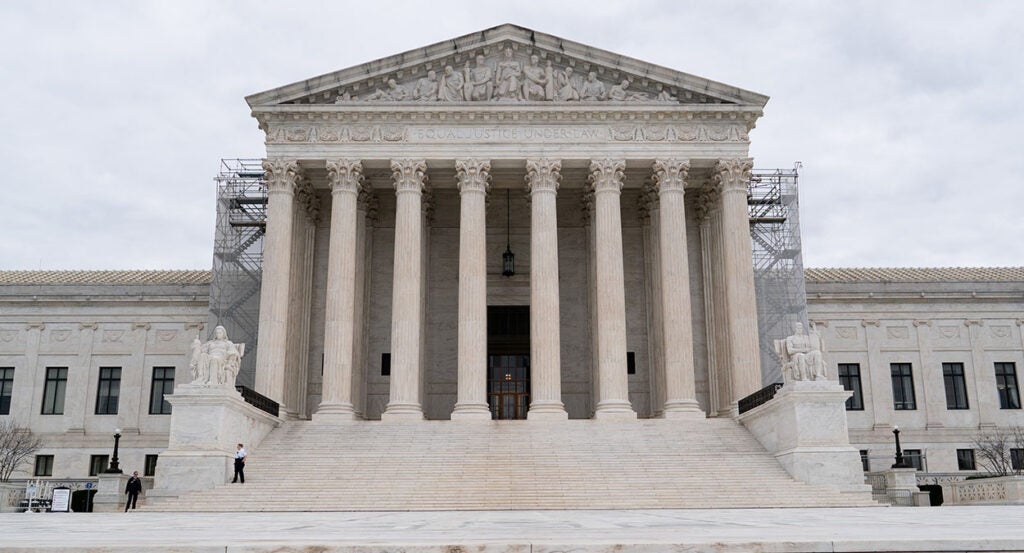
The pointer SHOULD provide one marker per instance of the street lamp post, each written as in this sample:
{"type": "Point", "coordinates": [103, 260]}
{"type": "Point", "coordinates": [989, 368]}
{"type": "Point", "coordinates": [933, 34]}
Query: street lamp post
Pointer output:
{"type": "Point", "coordinates": [901, 461]}
{"type": "Point", "coordinates": [114, 468]}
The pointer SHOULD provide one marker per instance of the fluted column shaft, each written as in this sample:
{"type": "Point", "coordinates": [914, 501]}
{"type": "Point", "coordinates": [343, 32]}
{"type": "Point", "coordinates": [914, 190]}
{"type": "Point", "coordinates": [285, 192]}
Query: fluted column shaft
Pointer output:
{"type": "Point", "coordinates": [473, 176]}
{"type": "Point", "coordinates": [345, 177]}
{"type": "Point", "coordinates": [406, 302]}
{"type": "Point", "coordinates": [545, 356]}
{"type": "Point", "coordinates": [680, 391]}
{"type": "Point", "coordinates": [613, 401]}
{"type": "Point", "coordinates": [732, 175]}
{"type": "Point", "coordinates": [281, 178]}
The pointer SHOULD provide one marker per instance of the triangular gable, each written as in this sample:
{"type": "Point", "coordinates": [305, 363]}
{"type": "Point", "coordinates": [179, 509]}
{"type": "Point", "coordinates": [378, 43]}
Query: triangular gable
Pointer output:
{"type": "Point", "coordinates": [507, 64]}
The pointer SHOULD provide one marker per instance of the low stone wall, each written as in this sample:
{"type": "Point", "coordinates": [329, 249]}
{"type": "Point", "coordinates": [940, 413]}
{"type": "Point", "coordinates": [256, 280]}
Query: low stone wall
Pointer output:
{"type": "Point", "coordinates": [1003, 490]}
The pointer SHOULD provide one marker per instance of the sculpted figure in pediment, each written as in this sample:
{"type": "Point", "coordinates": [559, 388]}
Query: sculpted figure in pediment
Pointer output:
{"type": "Point", "coordinates": [452, 88]}
{"type": "Point", "coordinates": [426, 88]}
{"type": "Point", "coordinates": [593, 89]}
{"type": "Point", "coordinates": [566, 86]}
{"type": "Point", "coordinates": [479, 85]}
{"type": "Point", "coordinates": [394, 92]}
{"type": "Point", "coordinates": [508, 78]}
{"type": "Point", "coordinates": [536, 80]}
{"type": "Point", "coordinates": [618, 93]}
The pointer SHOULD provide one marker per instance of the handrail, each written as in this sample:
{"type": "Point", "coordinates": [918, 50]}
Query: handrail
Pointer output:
{"type": "Point", "coordinates": [259, 401]}
{"type": "Point", "coordinates": [760, 397]}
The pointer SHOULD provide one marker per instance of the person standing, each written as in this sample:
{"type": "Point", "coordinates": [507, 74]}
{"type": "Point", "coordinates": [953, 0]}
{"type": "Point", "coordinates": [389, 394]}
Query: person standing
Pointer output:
{"type": "Point", "coordinates": [240, 456]}
{"type": "Point", "coordinates": [132, 490]}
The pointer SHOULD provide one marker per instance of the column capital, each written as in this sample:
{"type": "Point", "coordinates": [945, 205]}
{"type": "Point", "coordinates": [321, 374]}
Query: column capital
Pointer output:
{"type": "Point", "coordinates": [281, 175]}
{"type": "Point", "coordinates": [410, 175]}
{"type": "Point", "coordinates": [733, 174]}
{"type": "Point", "coordinates": [707, 203]}
{"type": "Point", "coordinates": [474, 175]}
{"type": "Point", "coordinates": [670, 174]}
{"type": "Point", "coordinates": [307, 199]}
{"type": "Point", "coordinates": [542, 175]}
{"type": "Point", "coordinates": [345, 175]}
{"type": "Point", "coordinates": [606, 175]}
{"type": "Point", "coordinates": [647, 201]}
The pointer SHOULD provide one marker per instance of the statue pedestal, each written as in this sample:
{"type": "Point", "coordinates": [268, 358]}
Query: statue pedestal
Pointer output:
{"type": "Point", "coordinates": [804, 426]}
{"type": "Point", "coordinates": [110, 496]}
{"type": "Point", "coordinates": [207, 422]}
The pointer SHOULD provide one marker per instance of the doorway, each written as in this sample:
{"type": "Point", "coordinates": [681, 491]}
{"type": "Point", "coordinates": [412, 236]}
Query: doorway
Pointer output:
{"type": "Point", "coordinates": [508, 361]}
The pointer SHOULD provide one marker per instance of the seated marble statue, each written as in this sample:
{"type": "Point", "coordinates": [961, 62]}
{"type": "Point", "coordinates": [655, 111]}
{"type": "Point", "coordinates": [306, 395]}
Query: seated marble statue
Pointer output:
{"type": "Point", "coordinates": [216, 363]}
{"type": "Point", "coordinates": [801, 355]}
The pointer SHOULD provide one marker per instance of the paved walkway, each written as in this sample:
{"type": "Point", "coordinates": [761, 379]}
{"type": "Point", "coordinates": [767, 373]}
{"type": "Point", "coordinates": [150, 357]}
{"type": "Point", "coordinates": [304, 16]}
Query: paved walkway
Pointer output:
{"type": "Point", "coordinates": [655, 531]}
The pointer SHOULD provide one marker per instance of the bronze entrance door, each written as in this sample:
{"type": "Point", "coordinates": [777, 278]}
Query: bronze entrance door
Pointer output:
{"type": "Point", "coordinates": [508, 361]}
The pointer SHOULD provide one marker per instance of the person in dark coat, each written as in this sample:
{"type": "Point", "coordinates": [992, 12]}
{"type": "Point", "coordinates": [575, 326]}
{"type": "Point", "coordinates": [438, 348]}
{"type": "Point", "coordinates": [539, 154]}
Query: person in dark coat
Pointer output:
{"type": "Point", "coordinates": [132, 490]}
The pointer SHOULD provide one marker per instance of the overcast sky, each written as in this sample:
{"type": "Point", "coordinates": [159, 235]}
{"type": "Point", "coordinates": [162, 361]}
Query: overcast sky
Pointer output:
{"type": "Point", "coordinates": [906, 115]}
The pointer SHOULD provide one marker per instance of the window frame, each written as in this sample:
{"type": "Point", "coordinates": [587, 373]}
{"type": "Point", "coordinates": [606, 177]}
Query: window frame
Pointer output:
{"type": "Point", "coordinates": [1017, 458]}
{"type": "Point", "coordinates": [914, 458]}
{"type": "Point", "coordinates": [54, 388]}
{"type": "Point", "coordinates": [865, 460]}
{"type": "Point", "coordinates": [6, 389]}
{"type": "Point", "coordinates": [1005, 382]}
{"type": "Point", "coordinates": [958, 383]}
{"type": "Point", "coordinates": [107, 404]}
{"type": "Point", "coordinates": [149, 465]}
{"type": "Point", "coordinates": [905, 378]}
{"type": "Point", "coordinates": [47, 464]}
{"type": "Point", "coordinates": [165, 406]}
{"type": "Point", "coordinates": [852, 383]}
{"type": "Point", "coordinates": [102, 460]}
{"type": "Point", "coordinates": [965, 459]}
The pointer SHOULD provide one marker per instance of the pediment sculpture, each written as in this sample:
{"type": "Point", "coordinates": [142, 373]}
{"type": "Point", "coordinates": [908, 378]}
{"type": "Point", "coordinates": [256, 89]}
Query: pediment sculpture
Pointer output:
{"type": "Point", "coordinates": [802, 355]}
{"type": "Point", "coordinates": [511, 77]}
{"type": "Point", "coordinates": [216, 362]}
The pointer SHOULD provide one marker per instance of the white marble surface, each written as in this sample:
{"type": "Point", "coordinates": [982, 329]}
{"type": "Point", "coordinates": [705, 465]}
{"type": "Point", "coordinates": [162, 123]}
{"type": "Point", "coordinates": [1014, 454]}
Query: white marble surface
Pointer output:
{"type": "Point", "coordinates": [766, 530]}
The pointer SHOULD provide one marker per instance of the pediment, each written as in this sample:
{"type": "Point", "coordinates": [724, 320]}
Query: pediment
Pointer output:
{"type": "Point", "coordinates": [506, 65]}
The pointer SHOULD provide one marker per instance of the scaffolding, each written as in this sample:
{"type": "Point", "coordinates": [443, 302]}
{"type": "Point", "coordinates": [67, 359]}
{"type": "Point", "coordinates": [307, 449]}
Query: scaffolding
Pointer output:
{"type": "Point", "coordinates": [238, 256]}
{"type": "Point", "coordinates": [773, 205]}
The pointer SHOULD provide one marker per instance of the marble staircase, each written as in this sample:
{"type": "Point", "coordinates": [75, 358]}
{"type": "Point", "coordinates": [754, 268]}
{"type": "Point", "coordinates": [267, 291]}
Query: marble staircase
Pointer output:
{"type": "Point", "coordinates": [445, 465]}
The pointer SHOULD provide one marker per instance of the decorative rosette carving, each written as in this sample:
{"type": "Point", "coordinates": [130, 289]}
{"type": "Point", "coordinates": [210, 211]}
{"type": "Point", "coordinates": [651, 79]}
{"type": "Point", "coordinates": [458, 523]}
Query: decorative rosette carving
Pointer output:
{"type": "Point", "coordinates": [410, 175]}
{"type": "Point", "coordinates": [670, 174]}
{"type": "Point", "coordinates": [606, 175]}
{"type": "Point", "coordinates": [542, 175]}
{"type": "Point", "coordinates": [474, 175]}
{"type": "Point", "coordinates": [733, 174]}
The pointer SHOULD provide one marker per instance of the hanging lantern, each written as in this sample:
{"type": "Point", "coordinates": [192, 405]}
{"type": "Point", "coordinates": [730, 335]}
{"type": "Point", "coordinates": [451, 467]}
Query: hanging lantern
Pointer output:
{"type": "Point", "coordinates": [508, 259]}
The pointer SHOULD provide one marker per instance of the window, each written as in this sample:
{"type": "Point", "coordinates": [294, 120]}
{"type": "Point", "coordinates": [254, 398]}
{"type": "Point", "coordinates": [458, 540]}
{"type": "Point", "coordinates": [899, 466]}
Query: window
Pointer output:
{"type": "Point", "coordinates": [865, 462]}
{"type": "Point", "coordinates": [150, 467]}
{"type": "Point", "coordinates": [163, 386]}
{"type": "Point", "coordinates": [1017, 458]}
{"type": "Point", "coordinates": [385, 364]}
{"type": "Point", "coordinates": [53, 391]}
{"type": "Point", "coordinates": [630, 362]}
{"type": "Point", "coordinates": [849, 377]}
{"type": "Point", "coordinates": [44, 465]}
{"type": "Point", "coordinates": [902, 387]}
{"type": "Point", "coordinates": [108, 391]}
{"type": "Point", "coordinates": [956, 386]}
{"type": "Point", "coordinates": [6, 387]}
{"type": "Point", "coordinates": [965, 459]}
{"type": "Point", "coordinates": [1006, 383]}
{"type": "Point", "coordinates": [98, 464]}
{"type": "Point", "coordinates": [913, 458]}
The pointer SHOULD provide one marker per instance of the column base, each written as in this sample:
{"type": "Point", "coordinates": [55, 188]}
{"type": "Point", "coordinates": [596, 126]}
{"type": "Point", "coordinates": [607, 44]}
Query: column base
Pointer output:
{"type": "Point", "coordinates": [683, 409]}
{"type": "Point", "coordinates": [335, 412]}
{"type": "Point", "coordinates": [471, 412]}
{"type": "Point", "coordinates": [402, 412]}
{"type": "Point", "coordinates": [548, 410]}
{"type": "Point", "coordinates": [614, 410]}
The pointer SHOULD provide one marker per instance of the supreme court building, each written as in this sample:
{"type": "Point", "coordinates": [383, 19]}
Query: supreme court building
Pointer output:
{"type": "Point", "coordinates": [619, 188]}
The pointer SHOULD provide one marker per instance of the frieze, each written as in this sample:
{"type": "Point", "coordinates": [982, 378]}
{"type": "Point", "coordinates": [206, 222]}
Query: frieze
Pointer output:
{"type": "Point", "coordinates": [692, 133]}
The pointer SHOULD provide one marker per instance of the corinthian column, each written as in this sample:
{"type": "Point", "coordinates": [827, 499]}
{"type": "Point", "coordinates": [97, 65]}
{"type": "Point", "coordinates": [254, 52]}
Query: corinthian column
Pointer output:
{"type": "Point", "coordinates": [680, 393]}
{"type": "Point", "coordinates": [545, 356]}
{"type": "Point", "coordinates": [345, 177]}
{"type": "Point", "coordinates": [613, 383]}
{"type": "Point", "coordinates": [281, 180]}
{"type": "Point", "coordinates": [473, 176]}
{"type": "Point", "coordinates": [732, 175]}
{"type": "Point", "coordinates": [406, 303]}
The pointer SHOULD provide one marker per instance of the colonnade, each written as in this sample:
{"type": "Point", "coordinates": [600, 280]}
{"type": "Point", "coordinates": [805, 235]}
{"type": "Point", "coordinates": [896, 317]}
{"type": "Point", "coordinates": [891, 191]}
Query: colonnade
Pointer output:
{"type": "Point", "coordinates": [732, 309]}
